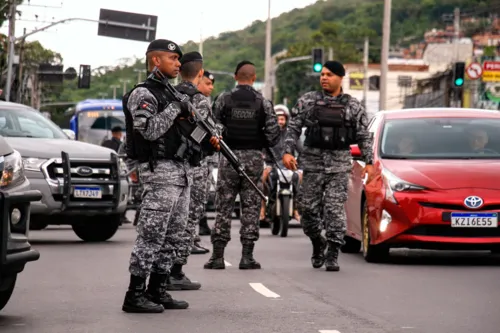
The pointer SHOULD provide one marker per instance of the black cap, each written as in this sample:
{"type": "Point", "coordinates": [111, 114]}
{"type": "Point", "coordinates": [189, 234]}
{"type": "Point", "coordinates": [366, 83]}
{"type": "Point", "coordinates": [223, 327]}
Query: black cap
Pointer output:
{"type": "Point", "coordinates": [191, 56]}
{"type": "Point", "coordinates": [209, 76]}
{"type": "Point", "coordinates": [241, 64]}
{"type": "Point", "coordinates": [164, 45]}
{"type": "Point", "coordinates": [335, 67]}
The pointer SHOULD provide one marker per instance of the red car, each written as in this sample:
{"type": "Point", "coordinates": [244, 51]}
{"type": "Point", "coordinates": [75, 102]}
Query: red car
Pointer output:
{"type": "Point", "coordinates": [436, 184]}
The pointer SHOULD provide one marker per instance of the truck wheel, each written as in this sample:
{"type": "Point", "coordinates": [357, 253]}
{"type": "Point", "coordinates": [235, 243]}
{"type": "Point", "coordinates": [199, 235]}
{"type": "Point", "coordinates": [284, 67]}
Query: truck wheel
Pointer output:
{"type": "Point", "coordinates": [98, 229]}
{"type": "Point", "coordinates": [7, 285]}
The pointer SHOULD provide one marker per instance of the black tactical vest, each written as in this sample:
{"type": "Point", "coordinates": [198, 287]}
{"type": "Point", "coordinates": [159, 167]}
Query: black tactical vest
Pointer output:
{"type": "Point", "coordinates": [244, 117]}
{"type": "Point", "coordinates": [142, 150]}
{"type": "Point", "coordinates": [329, 129]}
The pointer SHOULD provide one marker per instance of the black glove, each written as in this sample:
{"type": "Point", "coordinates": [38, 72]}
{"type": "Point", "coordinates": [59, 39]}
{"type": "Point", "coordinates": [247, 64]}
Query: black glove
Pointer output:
{"type": "Point", "coordinates": [184, 106]}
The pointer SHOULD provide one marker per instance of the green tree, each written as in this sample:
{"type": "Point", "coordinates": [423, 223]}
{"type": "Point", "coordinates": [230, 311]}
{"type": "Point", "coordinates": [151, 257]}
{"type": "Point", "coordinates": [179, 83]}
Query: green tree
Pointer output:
{"type": "Point", "coordinates": [296, 78]}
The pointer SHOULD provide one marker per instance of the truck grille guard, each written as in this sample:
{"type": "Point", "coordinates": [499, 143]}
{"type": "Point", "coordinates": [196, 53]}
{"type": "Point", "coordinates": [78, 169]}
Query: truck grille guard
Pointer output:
{"type": "Point", "coordinates": [69, 182]}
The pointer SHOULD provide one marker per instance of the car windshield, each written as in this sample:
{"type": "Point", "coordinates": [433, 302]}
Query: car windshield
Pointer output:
{"type": "Point", "coordinates": [28, 123]}
{"type": "Point", "coordinates": [441, 138]}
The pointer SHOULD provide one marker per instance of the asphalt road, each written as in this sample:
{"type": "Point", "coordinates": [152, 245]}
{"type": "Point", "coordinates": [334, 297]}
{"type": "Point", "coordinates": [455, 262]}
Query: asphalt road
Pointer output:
{"type": "Point", "coordinates": [77, 288]}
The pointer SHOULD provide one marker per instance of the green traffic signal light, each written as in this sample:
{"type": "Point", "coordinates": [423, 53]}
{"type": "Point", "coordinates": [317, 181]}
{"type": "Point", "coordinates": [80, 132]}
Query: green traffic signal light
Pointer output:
{"type": "Point", "coordinates": [459, 82]}
{"type": "Point", "coordinates": [317, 67]}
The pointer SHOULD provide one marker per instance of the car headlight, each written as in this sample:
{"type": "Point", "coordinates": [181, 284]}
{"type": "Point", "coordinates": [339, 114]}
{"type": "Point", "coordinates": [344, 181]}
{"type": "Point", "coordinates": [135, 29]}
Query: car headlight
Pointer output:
{"type": "Point", "coordinates": [395, 184]}
{"type": "Point", "coordinates": [13, 170]}
{"type": "Point", "coordinates": [33, 163]}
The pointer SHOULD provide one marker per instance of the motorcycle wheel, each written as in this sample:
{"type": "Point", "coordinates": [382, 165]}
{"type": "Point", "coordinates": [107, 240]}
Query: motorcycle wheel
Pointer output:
{"type": "Point", "coordinates": [276, 222]}
{"type": "Point", "coordinates": [285, 216]}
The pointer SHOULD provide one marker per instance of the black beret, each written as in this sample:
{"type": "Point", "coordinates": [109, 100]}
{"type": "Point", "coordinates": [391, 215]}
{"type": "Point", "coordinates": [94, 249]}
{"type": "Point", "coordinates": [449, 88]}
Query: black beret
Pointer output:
{"type": "Point", "coordinates": [191, 56]}
{"type": "Point", "coordinates": [209, 76]}
{"type": "Point", "coordinates": [335, 67]}
{"type": "Point", "coordinates": [164, 45]}
{"type": "Point", "coordinates": [241, 64]}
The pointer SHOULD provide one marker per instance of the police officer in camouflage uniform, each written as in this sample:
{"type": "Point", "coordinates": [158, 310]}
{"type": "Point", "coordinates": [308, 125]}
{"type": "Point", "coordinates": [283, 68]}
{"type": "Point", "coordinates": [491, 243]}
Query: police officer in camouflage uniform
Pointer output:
{"type": "Point", "coordinates": [155, 137]}
{"type": "Point", "coordinates": [191, 72]}
{"type": "Point", "coordinates": [206, 86]}
{"type": "Point", "coordinates": [334, 121]}
{"type": "Point", "coordinates": [250, 125]}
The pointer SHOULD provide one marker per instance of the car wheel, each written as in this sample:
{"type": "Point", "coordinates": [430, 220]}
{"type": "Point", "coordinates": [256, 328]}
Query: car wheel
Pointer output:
{"type": "Point", "coordinates": [351, 245]}
{"type": "Point", "coordinates": [7, 285]}
{"type": "Point", "coordinates": [99, 229]}
{"type": "Point", "coordinates": [372, 253]}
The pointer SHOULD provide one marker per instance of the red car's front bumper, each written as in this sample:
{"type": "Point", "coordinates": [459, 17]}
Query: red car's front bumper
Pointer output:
{"type": "Point", "coordinates": [422, 219]}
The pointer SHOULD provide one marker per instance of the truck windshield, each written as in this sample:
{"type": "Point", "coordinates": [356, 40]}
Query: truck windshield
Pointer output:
{"type": "Point", "coordinates": [29, 123]}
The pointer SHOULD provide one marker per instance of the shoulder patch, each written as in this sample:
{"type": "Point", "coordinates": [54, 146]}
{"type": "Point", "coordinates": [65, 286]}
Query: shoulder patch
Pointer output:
{"type": "Point", "coordinates": [147, 106]}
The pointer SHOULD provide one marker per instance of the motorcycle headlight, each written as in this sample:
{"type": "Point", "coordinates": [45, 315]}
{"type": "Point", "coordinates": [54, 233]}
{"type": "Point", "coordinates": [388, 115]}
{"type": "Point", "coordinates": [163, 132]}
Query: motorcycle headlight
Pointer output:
{"type": "Point", "coordinates": [13, 170]}
{"type": "Point", "coordinates": [395, 184]}
{"type": "Point", "coordinates": [33, 163]}
{"type": "Point", "coordinates": [285, 176]}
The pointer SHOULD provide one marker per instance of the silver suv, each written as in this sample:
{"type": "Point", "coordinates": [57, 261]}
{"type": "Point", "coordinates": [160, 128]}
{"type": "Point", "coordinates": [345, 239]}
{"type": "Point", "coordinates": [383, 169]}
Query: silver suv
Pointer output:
{"type": "Point", "coordinates": [83, 185]}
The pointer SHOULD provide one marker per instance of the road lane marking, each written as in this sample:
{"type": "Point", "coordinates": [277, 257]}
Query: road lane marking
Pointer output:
{"type": "Point", "coordinates": [328, 331]}
{"type": "Point", "coordinates": [227, 263]}
{"type": "Point", "coordinates": [261, 289]}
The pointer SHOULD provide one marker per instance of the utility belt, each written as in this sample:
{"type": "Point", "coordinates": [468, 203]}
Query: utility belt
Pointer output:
{"type": "Point", "coordinates": [329, 138]}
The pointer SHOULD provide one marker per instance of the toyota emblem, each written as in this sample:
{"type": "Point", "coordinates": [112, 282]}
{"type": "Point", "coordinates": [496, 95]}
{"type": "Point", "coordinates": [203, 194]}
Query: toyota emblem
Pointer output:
{"type": "Point", "coordinates": [473, 202]}
{"type": "Point", "coordinates": [84, 171]}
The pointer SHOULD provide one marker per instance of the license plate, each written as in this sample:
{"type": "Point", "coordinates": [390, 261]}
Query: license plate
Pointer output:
{"type": "Point", "coordinates": [474, 220]}
{"type": "Point", "coordinates": [87, 192]}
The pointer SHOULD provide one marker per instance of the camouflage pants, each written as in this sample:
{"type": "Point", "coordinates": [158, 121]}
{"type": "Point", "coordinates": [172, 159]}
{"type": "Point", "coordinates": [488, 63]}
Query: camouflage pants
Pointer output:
{"type": "Point", "coordinates": [229, 185]}
{"type": "Point", "coordinates": [162, 221]}
{"type": "Point", "coordinates": [196, 210]}
{"type": "Point", "coordinates": [324, 194]}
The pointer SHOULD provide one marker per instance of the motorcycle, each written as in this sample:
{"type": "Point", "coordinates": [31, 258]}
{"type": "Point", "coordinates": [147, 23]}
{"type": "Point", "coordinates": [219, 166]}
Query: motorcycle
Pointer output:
{"type": "Point", "coordinates": [281, 200]}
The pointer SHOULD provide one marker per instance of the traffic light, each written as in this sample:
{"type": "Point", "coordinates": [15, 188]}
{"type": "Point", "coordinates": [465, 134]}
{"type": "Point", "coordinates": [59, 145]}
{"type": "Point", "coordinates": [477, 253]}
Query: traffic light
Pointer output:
{"type": "Point", "coordinates": [317, 56]}
{"type": "Point", "coordinates": [459, 74]}
{"type": "Point", "coordinates": [84, 77]}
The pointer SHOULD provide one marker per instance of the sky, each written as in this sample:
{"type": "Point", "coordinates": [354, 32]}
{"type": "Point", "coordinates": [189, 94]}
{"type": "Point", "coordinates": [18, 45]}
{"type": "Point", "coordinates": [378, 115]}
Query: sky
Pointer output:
{"type": "Point", "coordinates": [79, 43]}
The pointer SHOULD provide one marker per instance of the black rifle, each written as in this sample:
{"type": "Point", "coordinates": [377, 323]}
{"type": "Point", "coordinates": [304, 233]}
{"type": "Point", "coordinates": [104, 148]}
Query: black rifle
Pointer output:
{"type": "Point", "coordinates": [205, 126]}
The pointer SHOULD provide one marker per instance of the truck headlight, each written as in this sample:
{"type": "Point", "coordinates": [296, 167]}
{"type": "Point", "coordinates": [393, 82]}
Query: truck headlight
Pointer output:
{"type": "Point", "coordinates": [13, 170]}
{"type": "Point", "coordinates": [33, 163]}
{"type": "Point", "coordinates": [123, 167]}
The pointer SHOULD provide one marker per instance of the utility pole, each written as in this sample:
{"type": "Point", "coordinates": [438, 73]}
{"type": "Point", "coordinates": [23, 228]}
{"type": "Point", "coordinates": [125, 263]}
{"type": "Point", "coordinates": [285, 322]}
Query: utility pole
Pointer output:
{"type": "Point", "coordinates": [139, 74]}
{"type": "Point", "coordinates": [268, 60]}
{"type": "Point", "coordinates": [330, 53]}
{"type": "Point", "coordinates": [384, 59]}
{"type": "Point", "coordinates": [200, 47]}
{"type": "Point", "coordinates": [366, 80]}
{"type": "Point", "coordinates": [124, 86]}
{"type": "Point", "coordinates": [12, 41]}
{"type": "Point", "coordinates": [456, 24]}
{"type": "Point", "coordinates": [114, 87]}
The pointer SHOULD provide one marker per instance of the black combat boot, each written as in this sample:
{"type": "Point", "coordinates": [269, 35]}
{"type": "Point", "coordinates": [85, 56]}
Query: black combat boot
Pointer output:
{"type": "Point", "coordinates": [247, 261]}
{"type": "Point", "coordinates": [319, 247]}
{"type": "Point", "coordinates": [198, 249]}
{"type": "Point", "coordinates": [157, 292]}
{"type": "Point", "coordinates": [332, 255]}
{"type": "Point", "coordinates": [204, 229]}
{"type": "Point", "coordinates": [136, 300]}
{"type": "Point", "coordinates": [216, 261]}
{"type": "Point", "coordinates": [179, 281]}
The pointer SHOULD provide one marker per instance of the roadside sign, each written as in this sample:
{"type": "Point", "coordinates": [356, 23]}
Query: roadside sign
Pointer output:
{"type": "Point", "coordinates": [491, 71]}
{"type": "Point", "coordinates": [125, 25]}
{"type": "Point", "coordinates": [474, 71]}
{"type": "Point", "coordinates": [356, 80]}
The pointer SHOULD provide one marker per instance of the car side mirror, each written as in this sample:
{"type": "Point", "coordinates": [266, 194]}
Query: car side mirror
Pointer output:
{"type": "Point", "coordinates": [355, 152]}
{"type": "Point", "coordinates": [69, 133]}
